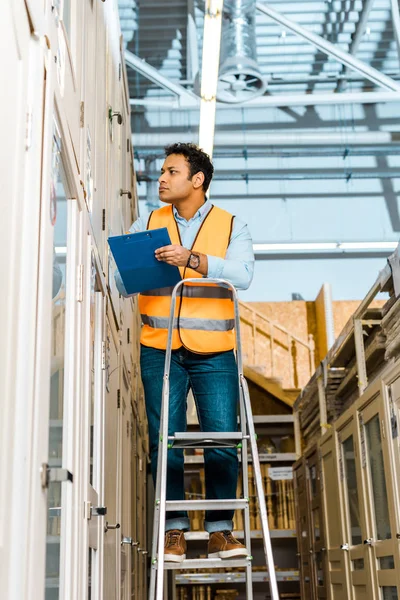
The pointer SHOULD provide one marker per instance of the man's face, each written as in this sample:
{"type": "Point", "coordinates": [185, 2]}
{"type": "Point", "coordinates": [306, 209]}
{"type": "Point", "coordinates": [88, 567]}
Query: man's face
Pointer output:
{"type": "Point", "coordinates": [174, 182]}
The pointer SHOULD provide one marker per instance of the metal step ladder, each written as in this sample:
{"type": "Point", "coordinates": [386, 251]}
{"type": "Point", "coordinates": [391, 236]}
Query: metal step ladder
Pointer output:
{"type": "Point", "coordinates": [242, 439]}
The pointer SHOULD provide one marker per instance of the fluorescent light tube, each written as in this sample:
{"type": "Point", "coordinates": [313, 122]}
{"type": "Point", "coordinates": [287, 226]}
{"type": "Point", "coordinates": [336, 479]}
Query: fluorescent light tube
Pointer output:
{"type": "Point", "coordinates": [211, 48]}
{"type": "Point", "coordinates": [324, 246]}
{"type": "Point", "coordinates": [209, 73]}
{"type": "Point", "coordinates": [207, 126]}
{"type": "Point", "coordinates": [294, 246]}
{"type": "Point", "coordinates": [367, 245]}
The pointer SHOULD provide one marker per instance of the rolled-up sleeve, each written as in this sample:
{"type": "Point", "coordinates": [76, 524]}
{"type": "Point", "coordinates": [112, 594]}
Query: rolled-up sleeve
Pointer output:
{"type": "Point", "coordinates": [238, 264]}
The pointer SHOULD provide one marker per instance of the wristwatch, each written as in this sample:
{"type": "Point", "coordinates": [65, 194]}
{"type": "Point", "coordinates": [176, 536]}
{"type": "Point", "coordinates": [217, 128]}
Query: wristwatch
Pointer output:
{"type": "Point", "coordinates": [194, 261]}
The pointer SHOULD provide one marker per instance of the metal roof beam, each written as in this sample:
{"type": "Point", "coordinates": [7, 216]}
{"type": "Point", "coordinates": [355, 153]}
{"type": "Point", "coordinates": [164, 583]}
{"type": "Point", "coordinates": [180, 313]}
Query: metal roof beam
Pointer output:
{"type": "Point", "coordinates": [273, 138]}
{"type": "Point", "coordinates": [285, 174]}
{"type": "Point", "coordinates": [331, 50]}
{"type": "Point", "coordinates": [186, 98]}
{"type": "Point", "coordinates": [278, 100]}
{"type": "Point", "coordinates": [295, 152]}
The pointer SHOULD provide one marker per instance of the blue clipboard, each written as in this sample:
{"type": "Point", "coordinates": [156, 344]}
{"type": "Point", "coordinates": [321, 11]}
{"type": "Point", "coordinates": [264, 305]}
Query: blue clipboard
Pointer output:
{"type": "Point", "coordinates": [139, 269]}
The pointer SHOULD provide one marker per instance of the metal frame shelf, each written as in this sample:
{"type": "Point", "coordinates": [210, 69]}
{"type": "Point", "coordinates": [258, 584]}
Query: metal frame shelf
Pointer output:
{"type": "Point", "coordinates": [255, 534]}
{"type": "Point", "coordinates": [278, 457]}
{"type": "Point", "coordinates": [258, 577]}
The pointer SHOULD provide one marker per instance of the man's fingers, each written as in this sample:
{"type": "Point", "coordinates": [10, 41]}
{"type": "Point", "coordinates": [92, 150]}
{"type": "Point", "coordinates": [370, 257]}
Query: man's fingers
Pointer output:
{"type": "Point", "coordinates": [166, 254]}
{"type": "Point", "coordinates": [164, 249]}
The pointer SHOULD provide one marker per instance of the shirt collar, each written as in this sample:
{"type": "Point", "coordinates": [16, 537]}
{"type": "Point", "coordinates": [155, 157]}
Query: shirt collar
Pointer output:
{"type": "Point", "coordinates": [203, 210]}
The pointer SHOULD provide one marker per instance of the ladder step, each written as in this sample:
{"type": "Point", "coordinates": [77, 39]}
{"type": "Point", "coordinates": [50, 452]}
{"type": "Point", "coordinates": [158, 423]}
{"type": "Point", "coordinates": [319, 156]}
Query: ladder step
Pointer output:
{"type": "Point", "coordinates": [207, 563]}
{"type": "Point", "coordinates": [206, 504]}
{"type": "Point", "coordinates": [202, 439]}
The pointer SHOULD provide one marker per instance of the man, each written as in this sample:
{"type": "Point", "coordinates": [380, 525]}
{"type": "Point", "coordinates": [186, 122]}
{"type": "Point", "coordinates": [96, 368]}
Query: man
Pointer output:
{"type": "Point", "coordinates": [206, 242]}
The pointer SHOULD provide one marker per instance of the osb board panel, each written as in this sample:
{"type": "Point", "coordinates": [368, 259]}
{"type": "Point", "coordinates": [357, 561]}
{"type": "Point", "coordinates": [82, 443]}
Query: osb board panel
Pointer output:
{"type": "Point", "coordinates": [299, 318]}
{"type": "Point", "coordinates": [343, 309]}
{"type": "Point", "coordinates": [291, 363]}
{"type": "Point", "coordinates": [291, 315]}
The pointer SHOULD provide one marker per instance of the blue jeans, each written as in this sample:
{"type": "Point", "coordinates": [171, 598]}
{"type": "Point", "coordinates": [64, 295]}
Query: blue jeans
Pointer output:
{"type": "Point", "coordinates": [214, 382]}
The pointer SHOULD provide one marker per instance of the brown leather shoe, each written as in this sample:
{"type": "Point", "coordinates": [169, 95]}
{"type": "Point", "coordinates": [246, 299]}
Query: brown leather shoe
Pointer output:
{"type": "Point", "coordinates": [174, 546]}
{"type": "Point", "coordinates": [222, 544]}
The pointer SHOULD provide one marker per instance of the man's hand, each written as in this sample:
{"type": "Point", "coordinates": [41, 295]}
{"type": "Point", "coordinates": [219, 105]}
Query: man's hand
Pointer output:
{"type": "Point", "coordinates": [173, 255]}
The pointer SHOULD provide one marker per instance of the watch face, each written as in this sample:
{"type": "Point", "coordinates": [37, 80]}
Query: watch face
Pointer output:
{"type": "Point", "coordinates": [194, 261]}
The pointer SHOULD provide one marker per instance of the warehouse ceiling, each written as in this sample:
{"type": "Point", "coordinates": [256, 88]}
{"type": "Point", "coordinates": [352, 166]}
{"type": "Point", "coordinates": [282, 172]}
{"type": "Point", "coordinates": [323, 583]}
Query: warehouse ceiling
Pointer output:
{"type": "Point", "coordinates": [300, 168]}
{"type": "Point", "coordinates": [287, 63]}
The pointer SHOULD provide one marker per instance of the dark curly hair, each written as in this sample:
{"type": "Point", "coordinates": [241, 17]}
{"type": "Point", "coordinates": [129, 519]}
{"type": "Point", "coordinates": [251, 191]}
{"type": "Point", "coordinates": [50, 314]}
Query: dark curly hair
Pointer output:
{"type": "Point", "coordinates": [197, 159]}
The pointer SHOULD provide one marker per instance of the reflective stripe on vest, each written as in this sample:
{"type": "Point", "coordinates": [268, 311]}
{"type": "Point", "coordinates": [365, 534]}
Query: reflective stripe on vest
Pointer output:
{"type": "Point", "coordinates": [204, 313]}
{"type": "Point", "coordinates": [199, 324]}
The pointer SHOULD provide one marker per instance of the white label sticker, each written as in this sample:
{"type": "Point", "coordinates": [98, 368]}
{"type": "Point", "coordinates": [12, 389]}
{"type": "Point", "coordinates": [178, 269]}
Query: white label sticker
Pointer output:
{"type": "Point", "coordinates": [280, 473]}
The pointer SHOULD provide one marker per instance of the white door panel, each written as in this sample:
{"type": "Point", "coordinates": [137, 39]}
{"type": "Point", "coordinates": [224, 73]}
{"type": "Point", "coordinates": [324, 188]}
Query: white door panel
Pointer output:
{"type": "Point", "coordinates": [111, 441]}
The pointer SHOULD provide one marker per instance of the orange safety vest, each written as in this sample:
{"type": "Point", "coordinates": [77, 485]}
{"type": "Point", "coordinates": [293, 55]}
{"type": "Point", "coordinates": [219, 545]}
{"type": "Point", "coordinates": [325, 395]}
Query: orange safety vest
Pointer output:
{"type": "Point", "coordinates": [205, 313]}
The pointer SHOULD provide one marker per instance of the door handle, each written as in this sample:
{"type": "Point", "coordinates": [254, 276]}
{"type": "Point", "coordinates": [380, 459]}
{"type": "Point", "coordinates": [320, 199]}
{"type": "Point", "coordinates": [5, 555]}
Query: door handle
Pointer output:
{"type": "Point", "coordinates": [107, 526]}
{"type": "Point", "coordinates": [344, 547]}
{"type": "Point", "coordinates": [368, 542]}
{"type": "Point", "coordinates": [129, 541]}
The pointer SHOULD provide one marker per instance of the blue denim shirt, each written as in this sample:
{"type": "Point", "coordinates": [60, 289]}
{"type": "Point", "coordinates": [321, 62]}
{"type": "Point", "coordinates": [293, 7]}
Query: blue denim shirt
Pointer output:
{"type": "Point", "coordinates": [238, 264]}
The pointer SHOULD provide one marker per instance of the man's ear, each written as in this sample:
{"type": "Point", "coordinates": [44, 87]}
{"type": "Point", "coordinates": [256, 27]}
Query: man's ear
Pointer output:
{"type": "Point", "coordinates": [198, 180]}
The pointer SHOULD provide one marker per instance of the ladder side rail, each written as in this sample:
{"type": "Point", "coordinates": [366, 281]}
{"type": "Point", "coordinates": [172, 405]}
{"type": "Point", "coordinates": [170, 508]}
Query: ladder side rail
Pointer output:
{"type": "Point", "coordinates": [154, 546]}
{"type": "Point", "coordinates": [244, 450]}
{"type": "Point", "coordinates": [163, 446]}
{"type": "Point", "coordinates": [260, 494]}
{"type": "Point", "coordinates": [163, 488]}
{"type": "Point", "coordinates": [246, 424]}
{"type": "Point", "coordinates": [245, 487]}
